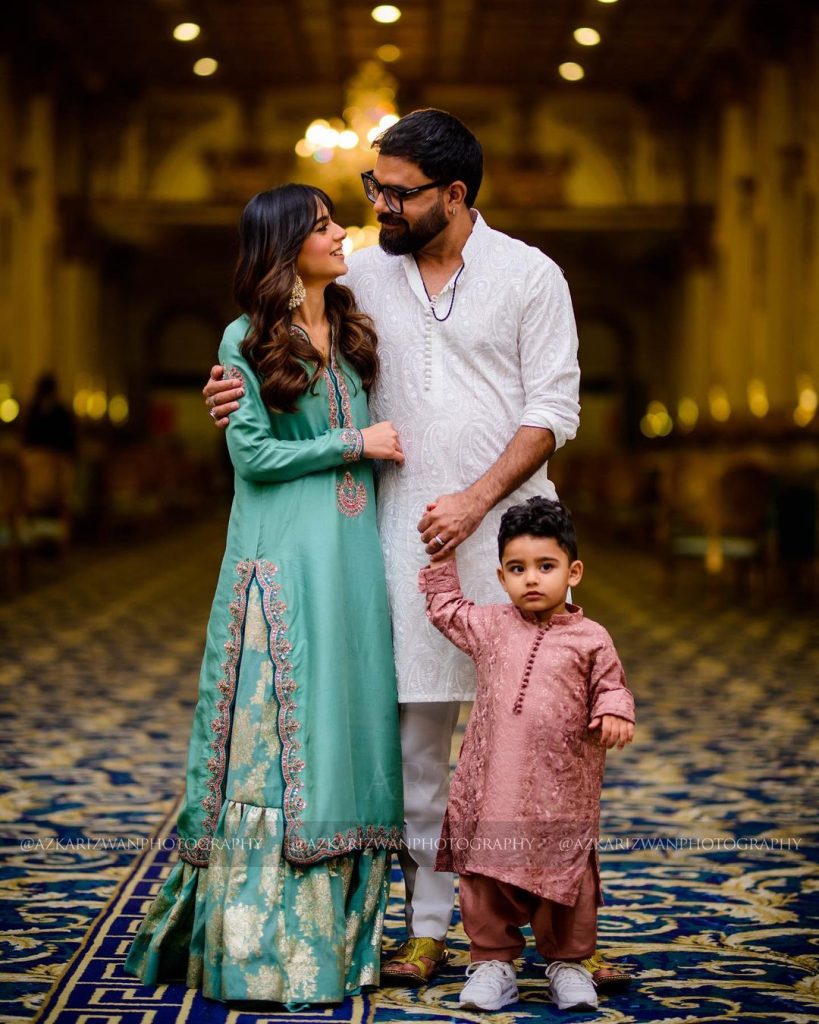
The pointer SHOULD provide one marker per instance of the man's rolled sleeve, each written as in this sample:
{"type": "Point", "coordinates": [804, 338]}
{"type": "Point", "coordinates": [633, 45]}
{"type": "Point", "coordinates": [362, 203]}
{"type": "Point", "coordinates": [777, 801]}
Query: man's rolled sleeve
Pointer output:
{"type": "Point", "coordinates": [547, 344]}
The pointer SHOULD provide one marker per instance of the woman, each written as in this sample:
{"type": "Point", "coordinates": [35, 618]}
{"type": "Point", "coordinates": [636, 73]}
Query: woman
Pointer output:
{"type": "Point", "coordinates": [293, 789]}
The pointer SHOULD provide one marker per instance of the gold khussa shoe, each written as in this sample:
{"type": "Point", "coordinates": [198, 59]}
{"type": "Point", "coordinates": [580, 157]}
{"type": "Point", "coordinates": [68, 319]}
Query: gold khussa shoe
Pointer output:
{"type": "Point", "coordinates": [415, 962]}
{"type": "Point", "coordinates": [605, 976]}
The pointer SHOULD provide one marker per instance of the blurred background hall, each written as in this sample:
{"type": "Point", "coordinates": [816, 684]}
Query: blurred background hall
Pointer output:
{"type": "Point", "coordinates": [666, 156]}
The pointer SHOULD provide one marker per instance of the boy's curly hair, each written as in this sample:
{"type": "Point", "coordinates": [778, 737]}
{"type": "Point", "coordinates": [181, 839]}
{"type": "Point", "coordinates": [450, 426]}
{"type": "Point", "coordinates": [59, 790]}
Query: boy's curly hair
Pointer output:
{"type": "Point", "coordinates": [539, 517]}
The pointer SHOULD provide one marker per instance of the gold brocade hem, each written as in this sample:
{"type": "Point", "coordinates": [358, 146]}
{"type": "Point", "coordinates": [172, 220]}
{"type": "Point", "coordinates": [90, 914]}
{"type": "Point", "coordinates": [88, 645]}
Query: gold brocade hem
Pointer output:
{"type": "Point", "coordinates": [197, 853]}
{"type": "Point", "coordinates": [279, 932]}
{"type": "Point", "coordinates": [369, 837]}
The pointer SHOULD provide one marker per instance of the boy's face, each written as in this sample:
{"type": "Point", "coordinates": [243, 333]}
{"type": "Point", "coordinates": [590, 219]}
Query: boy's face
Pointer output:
{"type": "Point", "coordinates": [536, 572]}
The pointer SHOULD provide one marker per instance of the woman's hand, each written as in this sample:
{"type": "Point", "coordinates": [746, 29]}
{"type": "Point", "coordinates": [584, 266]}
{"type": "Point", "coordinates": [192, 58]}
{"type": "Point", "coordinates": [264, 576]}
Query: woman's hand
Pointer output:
{"type": "Point", "coordinates": [221, 396]}
{"type": "Point", "coordinates": [381, 442]}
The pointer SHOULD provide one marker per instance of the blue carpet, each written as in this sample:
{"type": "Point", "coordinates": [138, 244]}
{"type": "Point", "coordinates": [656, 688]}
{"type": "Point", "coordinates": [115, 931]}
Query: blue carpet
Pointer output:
{"type": "Point", "coordinates": [689, 926]}
{"type": "Point", "coordinates": [709, 827]}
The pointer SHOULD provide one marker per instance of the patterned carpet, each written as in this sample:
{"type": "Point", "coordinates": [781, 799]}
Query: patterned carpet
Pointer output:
{"type": "Point", "coordinates": [709, 832]}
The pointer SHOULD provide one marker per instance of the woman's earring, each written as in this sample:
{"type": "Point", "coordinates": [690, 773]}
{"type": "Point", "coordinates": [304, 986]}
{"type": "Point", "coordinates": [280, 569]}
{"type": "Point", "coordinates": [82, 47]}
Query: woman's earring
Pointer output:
{"type": "Point", "coordinates": [298, 295]}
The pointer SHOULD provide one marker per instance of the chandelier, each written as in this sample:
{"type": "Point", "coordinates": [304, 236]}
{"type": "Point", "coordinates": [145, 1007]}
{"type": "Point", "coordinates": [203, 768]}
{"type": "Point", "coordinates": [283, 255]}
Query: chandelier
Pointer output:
{"type": "Point", "coordinates": [334, 151]}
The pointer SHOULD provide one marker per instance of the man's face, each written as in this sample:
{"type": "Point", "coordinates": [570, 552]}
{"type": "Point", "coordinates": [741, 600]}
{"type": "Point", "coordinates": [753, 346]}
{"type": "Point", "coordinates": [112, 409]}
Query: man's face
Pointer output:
{"type": "Point", "coordinates": [424, 216]}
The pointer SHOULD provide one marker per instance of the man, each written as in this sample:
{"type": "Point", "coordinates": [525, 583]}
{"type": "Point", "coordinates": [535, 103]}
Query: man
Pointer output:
{"type": "Point", "coordinates": [479, 376]}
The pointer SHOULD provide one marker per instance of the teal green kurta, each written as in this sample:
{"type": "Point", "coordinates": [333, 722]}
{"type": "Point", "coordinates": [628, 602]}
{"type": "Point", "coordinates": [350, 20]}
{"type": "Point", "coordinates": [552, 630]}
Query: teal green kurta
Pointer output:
{"type": "Point", "coordinates": [294, 770]}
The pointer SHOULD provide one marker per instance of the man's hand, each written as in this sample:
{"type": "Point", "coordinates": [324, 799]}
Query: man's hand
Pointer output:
{"type": "Point", "coordinates": [451, 519]}
{"type": "Point", "coordinates": [221, 396]}
{"type": "Point", "coordinates": [614, 731]}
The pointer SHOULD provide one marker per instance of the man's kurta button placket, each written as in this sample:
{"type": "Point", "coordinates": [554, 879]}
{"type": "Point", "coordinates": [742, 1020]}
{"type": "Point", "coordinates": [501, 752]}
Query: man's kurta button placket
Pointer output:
{"type": "Point", "coordinates": [428, 351]}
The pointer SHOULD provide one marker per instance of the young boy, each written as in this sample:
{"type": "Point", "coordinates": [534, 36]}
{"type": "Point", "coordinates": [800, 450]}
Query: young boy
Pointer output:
{"type": "Point", "coordinates": [524, 807]}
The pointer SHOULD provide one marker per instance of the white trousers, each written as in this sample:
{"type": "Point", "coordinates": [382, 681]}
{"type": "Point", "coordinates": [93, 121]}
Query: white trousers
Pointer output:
{"type": "Point", "coordinates": [426, 741]}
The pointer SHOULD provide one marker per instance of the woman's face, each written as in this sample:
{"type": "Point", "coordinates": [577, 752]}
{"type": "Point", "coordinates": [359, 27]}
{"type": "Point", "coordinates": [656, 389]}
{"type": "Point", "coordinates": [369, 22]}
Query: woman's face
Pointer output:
{"type": "Point", "coordinates": [321, 259]}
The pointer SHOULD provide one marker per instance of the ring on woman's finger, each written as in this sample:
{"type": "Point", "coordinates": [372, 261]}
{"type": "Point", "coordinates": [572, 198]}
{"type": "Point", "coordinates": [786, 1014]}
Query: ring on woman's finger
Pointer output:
{"type": "Point", "coordinates": [439, 540]}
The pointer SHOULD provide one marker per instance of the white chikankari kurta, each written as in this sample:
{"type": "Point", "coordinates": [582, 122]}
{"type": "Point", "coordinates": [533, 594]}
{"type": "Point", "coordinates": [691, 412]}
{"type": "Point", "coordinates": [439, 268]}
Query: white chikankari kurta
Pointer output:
{"type": "Point", "coordinates": [457, 392]}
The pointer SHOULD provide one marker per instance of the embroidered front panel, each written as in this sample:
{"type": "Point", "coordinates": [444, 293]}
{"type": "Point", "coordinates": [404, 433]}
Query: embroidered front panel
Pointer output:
{"type": "Point", "coordinates": [296, 848]}
{"type": "Point", "coordinates": [332, 400]}
{"type": "Point", "coordinates": [275, 611]}
{"type": "Point", "coordinates": [198, 853]}
{"type": "Point", "coordinates": [342, 389]}
{"type": "Point", "coordinates": [351, 496]}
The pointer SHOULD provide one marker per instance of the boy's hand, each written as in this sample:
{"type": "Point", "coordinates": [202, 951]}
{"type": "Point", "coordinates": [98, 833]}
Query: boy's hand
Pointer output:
{"type": "Point", "coordinates": [614, 731]}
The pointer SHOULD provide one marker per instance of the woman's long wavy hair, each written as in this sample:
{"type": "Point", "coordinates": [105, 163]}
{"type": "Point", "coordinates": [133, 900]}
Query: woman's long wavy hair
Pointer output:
{"type": "Point", "coordinates": [272, 230]}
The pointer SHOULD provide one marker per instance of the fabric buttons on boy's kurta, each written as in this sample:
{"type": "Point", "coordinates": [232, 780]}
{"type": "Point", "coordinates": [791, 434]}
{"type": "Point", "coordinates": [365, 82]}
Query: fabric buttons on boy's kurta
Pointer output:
{"type": "Point", "coordinates": [527, 672]}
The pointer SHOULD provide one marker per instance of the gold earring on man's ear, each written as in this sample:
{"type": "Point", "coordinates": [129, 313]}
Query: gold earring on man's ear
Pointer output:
{"type": "Point", "coordinates": [298, 295]}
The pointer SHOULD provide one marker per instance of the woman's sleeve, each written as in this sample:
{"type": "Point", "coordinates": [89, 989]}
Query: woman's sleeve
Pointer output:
{"type": "Point", "coordinates": [259, 456]}
{"type": "Point", "coordinates": [460, 620]}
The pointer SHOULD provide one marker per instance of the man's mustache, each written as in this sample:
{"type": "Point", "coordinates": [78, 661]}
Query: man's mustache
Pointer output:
{"type": "Point", "coordinates": [391, 222]}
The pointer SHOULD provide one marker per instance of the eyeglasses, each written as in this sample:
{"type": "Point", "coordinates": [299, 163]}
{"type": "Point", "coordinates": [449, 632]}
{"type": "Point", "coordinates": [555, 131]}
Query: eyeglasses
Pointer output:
{"type": "Point", "coordinates": [394, 195]}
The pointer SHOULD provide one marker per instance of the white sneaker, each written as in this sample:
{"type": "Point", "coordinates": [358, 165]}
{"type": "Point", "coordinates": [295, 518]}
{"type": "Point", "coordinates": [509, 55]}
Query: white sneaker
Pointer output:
{"type": "Point", "coordinates": [572, 986]}
{"type": "Point", "coordinates": [491, 985]}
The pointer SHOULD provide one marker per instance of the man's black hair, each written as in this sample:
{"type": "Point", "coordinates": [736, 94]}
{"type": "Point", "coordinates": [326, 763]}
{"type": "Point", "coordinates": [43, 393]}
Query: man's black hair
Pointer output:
{"type": "Point", "coordinates": [441, 145]}
{"type": "Point", "coordinates": [539, 517]}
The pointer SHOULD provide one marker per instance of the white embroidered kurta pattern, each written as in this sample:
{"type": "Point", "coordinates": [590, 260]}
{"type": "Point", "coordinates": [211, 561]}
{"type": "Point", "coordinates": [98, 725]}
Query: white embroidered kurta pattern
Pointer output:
{"type": "Point", "coordinates": [457, 392]}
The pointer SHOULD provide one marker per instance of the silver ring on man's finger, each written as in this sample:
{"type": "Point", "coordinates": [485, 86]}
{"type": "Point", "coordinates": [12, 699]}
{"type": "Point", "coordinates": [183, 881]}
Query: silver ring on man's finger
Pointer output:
{"type": "Point", "coordinates": [439, 540]}
{"type": "Point", "coordinates": [212, 414]}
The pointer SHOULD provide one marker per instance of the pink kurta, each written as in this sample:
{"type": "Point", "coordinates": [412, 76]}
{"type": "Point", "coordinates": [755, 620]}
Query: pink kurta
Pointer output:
{"type": "Point", "coordinates": [524, 806]}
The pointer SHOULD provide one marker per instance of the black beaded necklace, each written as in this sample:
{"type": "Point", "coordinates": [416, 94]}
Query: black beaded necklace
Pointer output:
{"type": "Point", "coordinates": [441, 319]}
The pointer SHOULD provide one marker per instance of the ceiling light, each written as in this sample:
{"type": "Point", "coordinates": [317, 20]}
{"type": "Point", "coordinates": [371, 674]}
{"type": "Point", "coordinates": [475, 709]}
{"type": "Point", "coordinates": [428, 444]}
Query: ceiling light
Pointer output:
{"type": "Point", "coordinates": [807, 392]}
{"type": "Point", "coordinates": [656, 422]}
{"type": "Point", "coordinates": [808, 401]}
{"type": "Point", "coordinates": [317, 132]}
{"type": "Point", "coordinates": [571, 72]}
{"type": "Point", "coordinates": [97, 404]}
{"type": "Point", "coordinates": [758, 398]}
{"type": "Point", "coordinates": [587, 36]}
{"type": "Point", "coordinates": [688, 412]}
{"type": "Point", "coordinates": [388, 53]}
{"type": "Point", "coordinates": [81, 401]}
{"type": "Point", "coordinates": [186, 31]}
{"type": "Point", "coordinates": [348, 139]}
{"type": "Point", "coordinates": [607, 1]}
{"type": "Point", "coordinates": [118, 409]}
{"type": "Point", "coordinates": [205, 66]}
{"type": "Point", "coordinates": [385, 14]}
{"type": "Point", "coordinates": [719, 403]}
{"type": "Point", "coordinates": [9, 410]}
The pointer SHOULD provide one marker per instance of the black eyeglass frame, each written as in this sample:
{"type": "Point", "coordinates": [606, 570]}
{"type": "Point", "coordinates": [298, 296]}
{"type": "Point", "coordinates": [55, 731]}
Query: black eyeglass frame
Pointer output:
{"type": "Point", "coordinates": [396, 190]}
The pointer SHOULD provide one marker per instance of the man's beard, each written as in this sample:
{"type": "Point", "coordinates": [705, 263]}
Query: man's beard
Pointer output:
{"type": "Point", "coordinates": [411, 240]}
